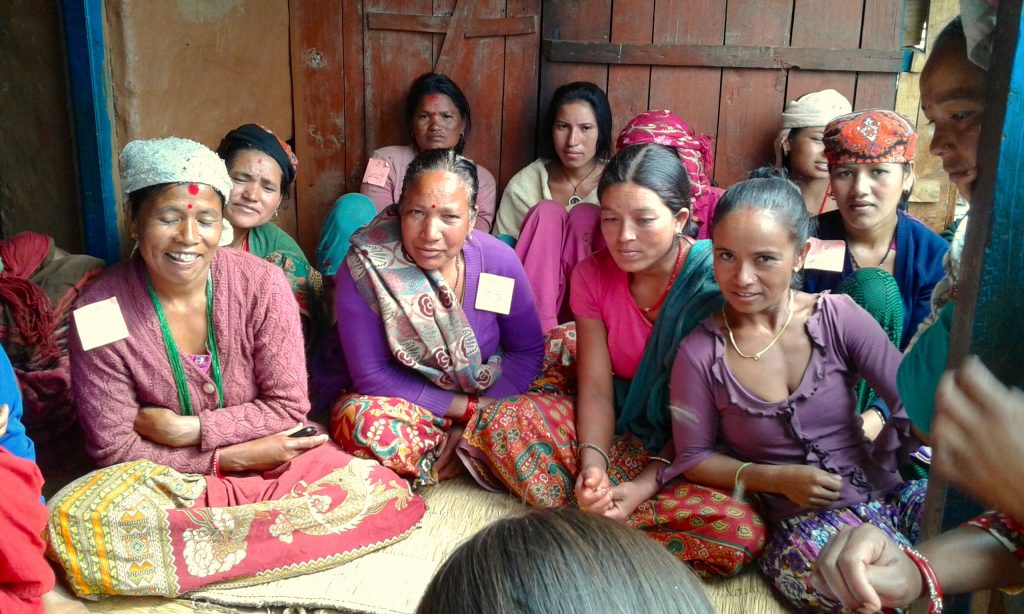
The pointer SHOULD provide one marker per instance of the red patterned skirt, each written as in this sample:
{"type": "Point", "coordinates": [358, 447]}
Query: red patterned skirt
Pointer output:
{"type": "Point", "coordinates": [528, 445]}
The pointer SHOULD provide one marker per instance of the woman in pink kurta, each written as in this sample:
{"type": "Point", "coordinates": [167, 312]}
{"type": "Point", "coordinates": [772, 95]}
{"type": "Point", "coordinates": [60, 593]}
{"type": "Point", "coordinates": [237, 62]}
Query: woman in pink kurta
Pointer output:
{"type": "Point", "coordinates": [190, 382]}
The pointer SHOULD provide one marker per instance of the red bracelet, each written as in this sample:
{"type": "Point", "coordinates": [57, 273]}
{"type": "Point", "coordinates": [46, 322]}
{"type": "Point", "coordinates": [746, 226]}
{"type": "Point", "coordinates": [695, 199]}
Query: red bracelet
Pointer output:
{"type": "Point", "coordinates": [472, 401]}
{"type": "Point", "coordinates": [931, 581]}
{"type": "Point", "coordinates": [216, 464]}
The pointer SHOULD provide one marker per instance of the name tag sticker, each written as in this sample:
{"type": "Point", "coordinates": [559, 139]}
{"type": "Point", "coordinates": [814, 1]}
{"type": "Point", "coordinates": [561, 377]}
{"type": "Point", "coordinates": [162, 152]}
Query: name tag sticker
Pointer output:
{"type": "Point", "coordinates": [100, 323]}
{"type": "Point", "coordinates": [826, 255]}
{"type": "Point", "coordinates": [376, 172]}
{"type": "Point", "coordinates": [494, 293]}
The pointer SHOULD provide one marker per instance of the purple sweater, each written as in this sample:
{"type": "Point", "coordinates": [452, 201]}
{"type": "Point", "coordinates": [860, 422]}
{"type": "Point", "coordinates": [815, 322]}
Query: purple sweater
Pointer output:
{"type": "Point", "coordinates": [818, 425]}
{"type": "Point", "coordinates": [259, 336]}
{"type": "Point", "coordinates": [374, 370]}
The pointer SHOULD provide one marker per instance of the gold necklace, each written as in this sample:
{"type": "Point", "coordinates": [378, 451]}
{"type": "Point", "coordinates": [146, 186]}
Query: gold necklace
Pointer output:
{"type": "Point", "coordinates": [458, 275]}
{"type": "Point", "coordinates": [758, 355]}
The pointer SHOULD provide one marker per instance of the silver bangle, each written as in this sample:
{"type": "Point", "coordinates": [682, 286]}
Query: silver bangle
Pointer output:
{"type": "Point", "coordinates": [604, 455]}
{"type": "Point", "coordinates": [660, 459]}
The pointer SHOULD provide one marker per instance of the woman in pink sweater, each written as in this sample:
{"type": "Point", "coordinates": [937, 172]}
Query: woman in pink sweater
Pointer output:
{"type": "Point", "coordinates": [189, 379]}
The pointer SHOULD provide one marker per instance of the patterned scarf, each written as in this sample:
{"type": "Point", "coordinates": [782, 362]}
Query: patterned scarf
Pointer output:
{"type": "Point", "coordinates": [426, 327]}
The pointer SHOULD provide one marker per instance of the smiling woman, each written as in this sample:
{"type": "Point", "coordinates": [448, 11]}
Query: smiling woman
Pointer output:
{"type": "Point", "coordinates": [188, 370]}
{"type": "Point", "coordinates": [262, 168]}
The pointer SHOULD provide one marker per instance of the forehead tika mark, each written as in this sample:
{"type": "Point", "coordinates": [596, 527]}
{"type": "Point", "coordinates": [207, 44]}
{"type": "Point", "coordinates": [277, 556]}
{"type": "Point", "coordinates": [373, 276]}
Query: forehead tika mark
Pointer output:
{"type": "Point", "coordinates": [190, 205]}
{"type": "Point", "coordinates": [193, 189]}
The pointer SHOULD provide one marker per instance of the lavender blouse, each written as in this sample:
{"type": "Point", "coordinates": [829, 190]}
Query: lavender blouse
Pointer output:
{"type": "Point", "coordinates": [817, 425]}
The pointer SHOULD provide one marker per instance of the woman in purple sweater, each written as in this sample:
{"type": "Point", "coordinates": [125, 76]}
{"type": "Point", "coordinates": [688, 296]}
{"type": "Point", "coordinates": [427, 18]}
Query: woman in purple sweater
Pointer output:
{"type": "Point", "coordinates": [762, 394]}
{"type": "Point", "coordinates": [189, 379]}
{"type": "Point", "coordinates": [436, 320]}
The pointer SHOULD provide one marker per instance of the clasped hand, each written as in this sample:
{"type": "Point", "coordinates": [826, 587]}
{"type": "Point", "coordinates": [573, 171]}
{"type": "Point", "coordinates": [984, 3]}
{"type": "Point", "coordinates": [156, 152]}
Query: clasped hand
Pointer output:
{"type": "Point", "coordinates": [595, 494]}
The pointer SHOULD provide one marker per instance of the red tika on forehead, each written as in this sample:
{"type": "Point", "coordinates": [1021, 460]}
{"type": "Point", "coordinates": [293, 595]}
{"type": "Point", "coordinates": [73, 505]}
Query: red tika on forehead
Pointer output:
{"type": "Point", "coordinates": [193, 189]}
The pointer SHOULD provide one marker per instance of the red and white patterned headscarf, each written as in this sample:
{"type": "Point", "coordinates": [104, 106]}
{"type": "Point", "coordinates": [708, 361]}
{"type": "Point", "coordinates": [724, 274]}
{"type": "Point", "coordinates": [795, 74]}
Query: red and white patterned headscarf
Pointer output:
{"type": "Point", "coordinates": [664, 127]}
{"type": "Point", "coordinates": [870, 137]}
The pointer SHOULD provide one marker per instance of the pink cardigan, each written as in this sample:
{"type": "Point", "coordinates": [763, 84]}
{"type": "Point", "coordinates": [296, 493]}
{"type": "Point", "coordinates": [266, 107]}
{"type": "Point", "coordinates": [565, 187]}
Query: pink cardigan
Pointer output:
{"type": "Point", "coordinates": [256, 321]}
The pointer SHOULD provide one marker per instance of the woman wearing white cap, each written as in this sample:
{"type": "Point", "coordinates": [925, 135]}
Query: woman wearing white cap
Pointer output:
{"type": "Point", "coordinates": [799, 147]}
{"type": "Point", "coordinates": [189, 380]}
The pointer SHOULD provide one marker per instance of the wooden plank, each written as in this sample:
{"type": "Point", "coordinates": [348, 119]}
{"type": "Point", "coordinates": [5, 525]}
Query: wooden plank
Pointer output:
{"type": "Point", "coordinates": [810, 29]}
{"type": "Point", "coordinates": [986, 322]}
{"type": "Point", "coordinates": [751, 99]}
{"type": "Point", "coordinates": [692, 93]}
{"type": "Point", "coordinates": [438, 24]}
{"type": "Point", "coordinates": [519, 103]}
{"type": "Point", "coordinates": [629, 86]}
{"type": "Point", "coordinates": [881, 30]}
{"type": "Point", "coordinates": [315, 28]}
{"type": "Point", "coordinates": [476, 57]}
{"type": "Point", "coordinates": [726, 56]}
{"type": "Point", "coordinates": [454, 39]}
{"type": "Point", "coordinates": [355, 113]}
{"type": "Point", "coordinates": [392, 61]}
{"type": "Point", "coordinates": [580, 20]}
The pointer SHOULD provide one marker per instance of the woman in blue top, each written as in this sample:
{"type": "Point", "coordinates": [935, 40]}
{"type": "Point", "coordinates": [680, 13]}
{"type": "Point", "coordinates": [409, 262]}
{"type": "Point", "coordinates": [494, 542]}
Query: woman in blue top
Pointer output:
{"type": "Point", "coordinates": [891, 261]}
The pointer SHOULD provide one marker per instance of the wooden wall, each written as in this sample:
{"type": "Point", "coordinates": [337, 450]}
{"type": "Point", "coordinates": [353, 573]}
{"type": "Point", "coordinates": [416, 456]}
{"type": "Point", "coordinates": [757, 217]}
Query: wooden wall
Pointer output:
{"type": "Point", "coordinates": [728, 68]}
{"type": "Point", "coordinates": [740, 106]}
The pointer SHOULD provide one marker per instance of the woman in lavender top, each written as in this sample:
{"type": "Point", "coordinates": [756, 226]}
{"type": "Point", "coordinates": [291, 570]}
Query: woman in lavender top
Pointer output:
{"type": "Point", "coordinates": [762, 394]}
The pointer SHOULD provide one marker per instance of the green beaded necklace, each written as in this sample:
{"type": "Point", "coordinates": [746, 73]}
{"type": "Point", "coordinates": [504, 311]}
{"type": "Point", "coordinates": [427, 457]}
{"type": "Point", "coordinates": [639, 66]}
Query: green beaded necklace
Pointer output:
{"type": "Point", "coordinates": [174, 357]}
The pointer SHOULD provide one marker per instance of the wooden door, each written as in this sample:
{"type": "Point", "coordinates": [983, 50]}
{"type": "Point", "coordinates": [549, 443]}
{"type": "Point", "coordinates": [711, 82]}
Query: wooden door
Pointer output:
{"type": "Point", "coordinates": [727, 68]}
{"type": "Point", "coordinates": [353, 62]}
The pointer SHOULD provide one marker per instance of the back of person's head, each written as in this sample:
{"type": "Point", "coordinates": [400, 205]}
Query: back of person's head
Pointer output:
{"type": "Point", "coordinates": [562, 561]}
{"type": "Point", "coordinates": [594, 97]}
{"type": "Point", "coordinates": [768, 190]}
{"type": "Point", "coordinates": [657, 168]}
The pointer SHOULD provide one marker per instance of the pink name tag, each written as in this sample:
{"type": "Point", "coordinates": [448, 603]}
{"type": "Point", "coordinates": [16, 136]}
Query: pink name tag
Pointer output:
{"type": "Point", "coordinates": [826, 255]}
{"type": "Point", "coordinates": [376, 172]}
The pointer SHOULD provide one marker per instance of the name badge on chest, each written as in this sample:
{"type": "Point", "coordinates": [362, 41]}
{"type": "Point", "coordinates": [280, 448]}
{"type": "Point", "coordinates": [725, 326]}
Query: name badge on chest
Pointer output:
{"type": "Point", "coordinates": [826, 255]}
{"type": "Point", "coordinates": [100, 323]}
{"type": "Point", "coordinates": [376, 172]}
{"type": "Point", "coordinates": [494, 293]}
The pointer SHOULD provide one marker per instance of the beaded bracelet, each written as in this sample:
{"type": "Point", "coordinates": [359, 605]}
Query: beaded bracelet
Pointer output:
{"type": "Point", "coordinates": [216, 464]}
{"type": "Point", "coordinates": [931, 581]}
{"type": "Point", "coordinates": [604, 455]}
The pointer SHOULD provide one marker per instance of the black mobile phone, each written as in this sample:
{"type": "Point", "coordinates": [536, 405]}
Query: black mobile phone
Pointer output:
{"type": "Point", "coordinates": [304, 432]}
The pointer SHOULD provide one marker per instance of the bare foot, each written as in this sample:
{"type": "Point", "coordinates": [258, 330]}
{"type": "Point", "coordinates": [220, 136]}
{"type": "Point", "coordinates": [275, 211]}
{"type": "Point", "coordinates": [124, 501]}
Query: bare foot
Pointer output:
{"type": "Point", "coordinates": [58, 601]}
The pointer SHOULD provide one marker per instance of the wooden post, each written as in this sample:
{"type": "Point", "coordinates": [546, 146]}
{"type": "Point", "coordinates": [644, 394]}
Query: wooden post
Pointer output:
{"type": "Point", "coordinates": [987, 322]}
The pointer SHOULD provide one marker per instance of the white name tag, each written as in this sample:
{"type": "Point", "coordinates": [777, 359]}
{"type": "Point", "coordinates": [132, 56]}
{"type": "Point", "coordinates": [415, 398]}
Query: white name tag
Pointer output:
{"type": "Point", "coordinates": [100, 323]}
{"type": "Point", "coordinates": [826, 255]}
{"type": "Point", "coordinates": [494, 293]}
{"type": "Point", "coordinates": [376, 172]}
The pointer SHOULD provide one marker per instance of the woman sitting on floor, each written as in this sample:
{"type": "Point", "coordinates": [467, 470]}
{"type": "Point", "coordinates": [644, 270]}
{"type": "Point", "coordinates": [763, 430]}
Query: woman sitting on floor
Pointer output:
{"type": "Point", "coordinates": [435, 320]}
{"type": "Point", "coordinates": [601, 450]}
{"type": "Point", "coordinates": [190, 382]}
{"type": "Point", "coordinates": [762, 394]}
{"type": "Point", "coordinates": [548, 211]}
{"type": "Point", "coordinates": [437, 115]}
{"type": "Point", "coordinates": [800, 150]}
{"type": "Point", "coordinates": [262, 168]}
{"type": "Point", "coordinates": [890, 262]}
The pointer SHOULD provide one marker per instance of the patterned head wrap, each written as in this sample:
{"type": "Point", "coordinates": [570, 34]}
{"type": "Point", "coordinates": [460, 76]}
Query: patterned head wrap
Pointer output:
{"type": "Point", "coordinates": [665, 128]}
{"type": "Point", "coordinates": [172, 160]}
{"type": "Point", "coordinates": [870, 137]}
{"type": "Point", "coordinates": [814, 109]}
{"type": "Point", "coordinates": [258, 137]}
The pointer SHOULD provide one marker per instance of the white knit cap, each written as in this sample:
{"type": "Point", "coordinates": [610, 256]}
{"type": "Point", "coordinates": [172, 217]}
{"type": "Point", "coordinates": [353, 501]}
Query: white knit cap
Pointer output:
{"type": "Point", "coordinates": [815, 109]}
{"type": "Point", "coordinates": [172, 160]}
